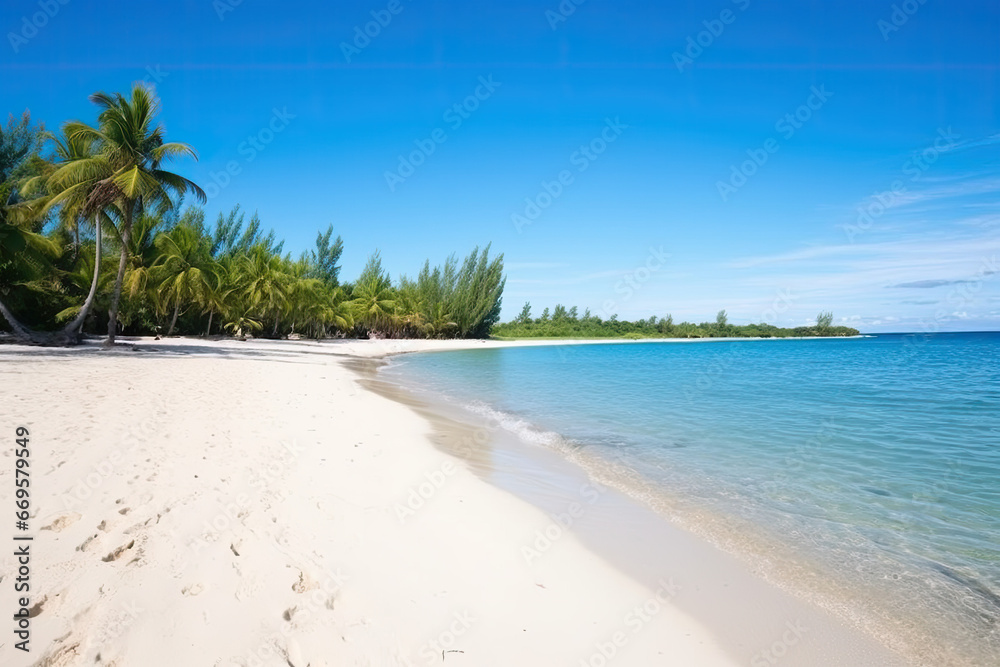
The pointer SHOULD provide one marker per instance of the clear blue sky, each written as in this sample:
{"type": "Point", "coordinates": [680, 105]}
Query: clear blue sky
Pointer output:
{"type": "Point", "coordinates": [873, 92]}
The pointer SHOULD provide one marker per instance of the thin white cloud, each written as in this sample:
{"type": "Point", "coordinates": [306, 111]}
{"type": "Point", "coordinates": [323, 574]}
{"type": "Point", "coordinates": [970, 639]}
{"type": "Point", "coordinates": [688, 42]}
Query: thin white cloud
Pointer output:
{"type": "Point", "coordinates": [520, 266]}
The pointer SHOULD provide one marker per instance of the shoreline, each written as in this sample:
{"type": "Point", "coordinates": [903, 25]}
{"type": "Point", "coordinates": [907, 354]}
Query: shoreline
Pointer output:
{"type": "Point", "coordinates": [327, 511]}
{"type": "Point", "coordinates": [627, 522]}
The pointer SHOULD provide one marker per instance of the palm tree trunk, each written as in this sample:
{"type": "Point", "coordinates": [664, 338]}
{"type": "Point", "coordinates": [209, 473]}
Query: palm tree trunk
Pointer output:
{"type": "Point", "coordinates": [173, 320]}
{"type": "Point", "coordinates": [208, 331]}
{"type": "Point", "coordinates": [75, 327]}
{"type": "Point", "coordinates": [117, 294]}
{"type": "Point", "coordinates": [21, 332]}
{"type": "Point", "coordinates": [29, 337]}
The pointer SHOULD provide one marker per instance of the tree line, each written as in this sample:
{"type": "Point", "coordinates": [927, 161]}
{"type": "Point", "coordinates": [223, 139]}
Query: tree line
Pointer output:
{"type": "Point", "coordinates": [568, 323]}
{"type": "Point", "coordinates": [93, 237]}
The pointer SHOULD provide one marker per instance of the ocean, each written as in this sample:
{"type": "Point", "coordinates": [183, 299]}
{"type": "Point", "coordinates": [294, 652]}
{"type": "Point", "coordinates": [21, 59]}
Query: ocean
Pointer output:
{"type": "Point", "coordinates": [873, 461]}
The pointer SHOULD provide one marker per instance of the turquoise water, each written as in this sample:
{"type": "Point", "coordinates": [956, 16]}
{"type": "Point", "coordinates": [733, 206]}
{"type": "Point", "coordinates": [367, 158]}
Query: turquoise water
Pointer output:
{"type": "Point", "coordinates": [875, 460]}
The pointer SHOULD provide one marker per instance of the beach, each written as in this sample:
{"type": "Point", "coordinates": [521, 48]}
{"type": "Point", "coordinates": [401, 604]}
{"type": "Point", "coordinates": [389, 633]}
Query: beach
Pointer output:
{"type": "Point", "coordinates": [259, 503]}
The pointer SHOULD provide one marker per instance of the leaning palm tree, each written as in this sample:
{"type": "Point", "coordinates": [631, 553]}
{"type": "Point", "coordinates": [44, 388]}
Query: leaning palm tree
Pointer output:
{"type": "Point", "coordinates": [125, 172]}
{"type": "Point", "coordinates": [38, 196]}
{"type": "Point", "coordinates": [76, 202]}
{"type": "Point", "coordinates": [24, 257]}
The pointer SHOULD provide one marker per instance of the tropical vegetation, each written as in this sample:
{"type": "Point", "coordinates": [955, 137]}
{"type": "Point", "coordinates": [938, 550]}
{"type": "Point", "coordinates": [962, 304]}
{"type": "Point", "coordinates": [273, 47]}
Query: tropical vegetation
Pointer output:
{"type": "Point", "coordinates": [94, 236]}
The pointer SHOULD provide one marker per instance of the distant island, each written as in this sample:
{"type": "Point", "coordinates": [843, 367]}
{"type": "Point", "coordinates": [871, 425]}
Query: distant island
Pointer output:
{"type": "Point", "coordinates": [563, 323]}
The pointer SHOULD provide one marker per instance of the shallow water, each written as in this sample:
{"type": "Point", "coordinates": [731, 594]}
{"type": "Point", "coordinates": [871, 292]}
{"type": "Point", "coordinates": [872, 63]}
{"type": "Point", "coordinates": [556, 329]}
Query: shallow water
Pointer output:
{"type": "Point", "coordinates": [875, 461]}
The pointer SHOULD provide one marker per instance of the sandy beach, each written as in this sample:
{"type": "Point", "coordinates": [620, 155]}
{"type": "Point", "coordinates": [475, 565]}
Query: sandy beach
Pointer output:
{"type": "Point", "coordinates": [257, 503]}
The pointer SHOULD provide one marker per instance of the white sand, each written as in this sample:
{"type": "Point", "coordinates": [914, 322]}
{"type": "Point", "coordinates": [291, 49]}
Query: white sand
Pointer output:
{"type": "Point", "coordinates": [240, 504]}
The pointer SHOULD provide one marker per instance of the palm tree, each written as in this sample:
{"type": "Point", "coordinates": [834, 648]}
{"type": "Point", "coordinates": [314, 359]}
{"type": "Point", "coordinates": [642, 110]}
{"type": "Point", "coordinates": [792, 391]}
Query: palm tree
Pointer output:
{"type": "Point", "coordinates": [243, 324]}
{"type": "Point", "coordinates": [24, 256]}
{"type": "Point", "coordinates": [263, 275]}
{"type": "Point", "coordinates": [125, 171]}
{"type": "Point", "coordinates": [440, 324]}
{"type": "Point", "coordinates": [25, 200]}
{"type": "Point", "coordinates": [373, 304]}
{"type": "Point", "coordinates": [76, 203]}
{"type": "Point", "coordinates": [216, 294]}
{"type": "Point", "coordinates": [373, 301]}
{"type": "Point", "coordinates": [183, 269]}
{"type": "Point", "coordinates": [341, 316]}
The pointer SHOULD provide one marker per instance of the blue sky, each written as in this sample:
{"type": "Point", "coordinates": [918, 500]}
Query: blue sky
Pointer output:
{"type": "Point", "coordinates": [771, 158]}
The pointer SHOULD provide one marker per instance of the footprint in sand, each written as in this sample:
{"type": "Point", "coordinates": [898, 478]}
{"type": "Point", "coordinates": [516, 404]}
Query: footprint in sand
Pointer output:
{"type": "Point", "coordinates": [117, 553]}
{"type": "Point", "coordinates": [61, 657]}
{"type": "Point", "coordinates": [86, 543]}
{"type": "Point", "coordinates": [64, 521]}
{"type": "Point", "coordinates": [191, 591]}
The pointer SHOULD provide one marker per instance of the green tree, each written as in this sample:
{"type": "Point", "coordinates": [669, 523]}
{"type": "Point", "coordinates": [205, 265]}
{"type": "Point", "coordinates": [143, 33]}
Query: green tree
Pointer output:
{"type": "Point", "coordinates": [721, 320]}
{"type": "Point", "coordinates": [126, 170]}
{"type": "Point", "coordinates": [264, 280]}
{"type": "Point", "coordinates": [374, 300]}
{"type": "Point", "coordinates": [326, 257]}
{"type": "Point", "coordinates": [525, 315]}
{"type": "Point", "coordinates": [183, 270]}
